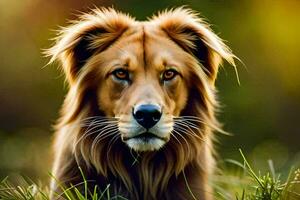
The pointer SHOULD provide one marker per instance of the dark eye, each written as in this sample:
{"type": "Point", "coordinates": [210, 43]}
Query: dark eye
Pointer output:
{"type": "Point", "coordinates": [169, 74]}
{"type": "Point", "coordinates": [121, 74]}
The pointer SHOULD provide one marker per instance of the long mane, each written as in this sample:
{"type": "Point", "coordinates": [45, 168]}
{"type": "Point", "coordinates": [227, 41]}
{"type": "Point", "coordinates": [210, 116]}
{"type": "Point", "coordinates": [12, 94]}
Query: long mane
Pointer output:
{"type": "Point", "coordinates": [113, 158]}
{"type": "Point", "coordinates": [147, 173]}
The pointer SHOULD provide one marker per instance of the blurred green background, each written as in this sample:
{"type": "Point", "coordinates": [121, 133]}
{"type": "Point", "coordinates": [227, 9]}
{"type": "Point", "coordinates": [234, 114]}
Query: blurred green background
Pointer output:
{"type": "Point", "coordinates": [262, 112]}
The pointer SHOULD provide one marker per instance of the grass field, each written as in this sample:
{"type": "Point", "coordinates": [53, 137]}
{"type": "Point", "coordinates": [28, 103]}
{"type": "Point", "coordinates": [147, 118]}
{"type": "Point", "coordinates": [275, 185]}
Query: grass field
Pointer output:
{"type": "Point", "coordinates": [240, 184]}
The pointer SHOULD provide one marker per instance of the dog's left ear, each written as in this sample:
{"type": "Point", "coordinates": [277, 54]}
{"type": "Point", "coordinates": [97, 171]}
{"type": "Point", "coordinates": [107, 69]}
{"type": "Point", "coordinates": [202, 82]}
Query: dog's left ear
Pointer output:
{"type": "Point", "coordinates": [193, 35]}
{"type": "Point", "coordinates": [92, 33]}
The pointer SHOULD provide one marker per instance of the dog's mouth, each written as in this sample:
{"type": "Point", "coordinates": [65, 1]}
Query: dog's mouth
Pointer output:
{"type": "Point", "coordinates": [145, 137]}
{"type": "Point", "coordinates": [146, 141]}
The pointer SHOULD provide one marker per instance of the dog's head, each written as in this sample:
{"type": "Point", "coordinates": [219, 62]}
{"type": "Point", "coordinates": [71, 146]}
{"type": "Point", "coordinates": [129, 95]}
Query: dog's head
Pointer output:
{"type": "Point", "coordinates": [155, 77]}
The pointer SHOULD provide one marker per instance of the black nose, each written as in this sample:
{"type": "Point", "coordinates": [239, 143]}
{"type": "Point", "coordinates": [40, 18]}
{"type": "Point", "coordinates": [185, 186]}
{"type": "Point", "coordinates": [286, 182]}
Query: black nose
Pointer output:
{"type": "Point", "coordinates": [147, 115]}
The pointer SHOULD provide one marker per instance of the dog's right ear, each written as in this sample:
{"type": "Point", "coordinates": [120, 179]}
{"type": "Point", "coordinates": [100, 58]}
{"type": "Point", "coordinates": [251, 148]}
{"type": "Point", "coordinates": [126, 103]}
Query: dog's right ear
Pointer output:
{"type": "Point", "coordinates": [190, 32]}
{"type": "Point", "coordinates": [94, 32]}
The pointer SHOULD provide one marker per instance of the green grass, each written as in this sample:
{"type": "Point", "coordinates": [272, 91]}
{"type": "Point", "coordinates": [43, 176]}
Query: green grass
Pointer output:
{"type": "Point", "coordinates": [241, 184]}
{"type": "Point", "coordinates": [28, 190]}
{"type": "Point", "coordinates": [245, 184]}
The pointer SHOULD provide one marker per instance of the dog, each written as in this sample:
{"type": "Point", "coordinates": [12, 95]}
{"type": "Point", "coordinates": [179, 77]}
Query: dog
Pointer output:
{"type": "Point", "coordinates": [139, 115]}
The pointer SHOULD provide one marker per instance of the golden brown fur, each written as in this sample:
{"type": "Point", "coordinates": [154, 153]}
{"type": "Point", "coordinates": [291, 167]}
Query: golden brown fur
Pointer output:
{"type": "Point", "coordinates": [89, 50]}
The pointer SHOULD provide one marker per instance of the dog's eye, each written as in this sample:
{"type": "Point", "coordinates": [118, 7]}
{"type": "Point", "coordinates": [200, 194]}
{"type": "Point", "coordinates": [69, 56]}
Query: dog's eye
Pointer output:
{"type": "Point", "coordinates": [121, 74]}
{"type": "Point", "coordinates": [169, 74]}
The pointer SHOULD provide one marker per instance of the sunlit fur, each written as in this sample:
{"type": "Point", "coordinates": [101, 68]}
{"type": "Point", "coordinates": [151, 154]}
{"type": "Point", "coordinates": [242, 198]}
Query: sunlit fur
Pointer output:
{"type": "Point", "coordinates": [97, 111]}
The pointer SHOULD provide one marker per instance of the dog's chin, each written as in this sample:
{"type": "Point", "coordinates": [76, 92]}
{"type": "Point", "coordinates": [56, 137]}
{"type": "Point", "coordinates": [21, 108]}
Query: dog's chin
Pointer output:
{"type": "Point", "coordinates": [145, 144]}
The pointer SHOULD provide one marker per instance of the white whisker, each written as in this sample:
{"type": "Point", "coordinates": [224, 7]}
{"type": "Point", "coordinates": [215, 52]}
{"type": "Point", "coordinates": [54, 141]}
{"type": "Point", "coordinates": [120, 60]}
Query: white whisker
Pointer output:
{"type": "Point", "coordinates": [112, 141]}
{"type": "Point", "coordinates": [177, 132]}
{"type": "Point", "coordinates": [90, 132]}
{"type": "Point", "coordinates": [194, 119]}
{"type": "Point", "coordinates": [102, 137]}
{"type": "Point", "coordinates": [177, 125]}
{"type": "Point", "coordinates": [98, 122]}
{"type": "Point", "coordinates": [188, 145]}
{"type": "Point", "coordinates": [191, 125]}
{"type": "Point", "coordinates": [172, 134]}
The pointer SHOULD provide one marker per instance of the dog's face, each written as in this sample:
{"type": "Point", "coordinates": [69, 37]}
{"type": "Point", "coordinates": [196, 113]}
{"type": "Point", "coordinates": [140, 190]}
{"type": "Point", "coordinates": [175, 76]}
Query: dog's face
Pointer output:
{"type": "Point", "coordinates": [143, 73]}
{"type": "Point", "coordinates": [144, 85]}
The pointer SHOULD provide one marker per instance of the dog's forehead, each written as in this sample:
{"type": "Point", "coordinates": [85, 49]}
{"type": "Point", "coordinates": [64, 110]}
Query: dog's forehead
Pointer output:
{"type": "Point", "coordinates": [146, 44]}
{"type": "Point", "coordinates": [160, 49]}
